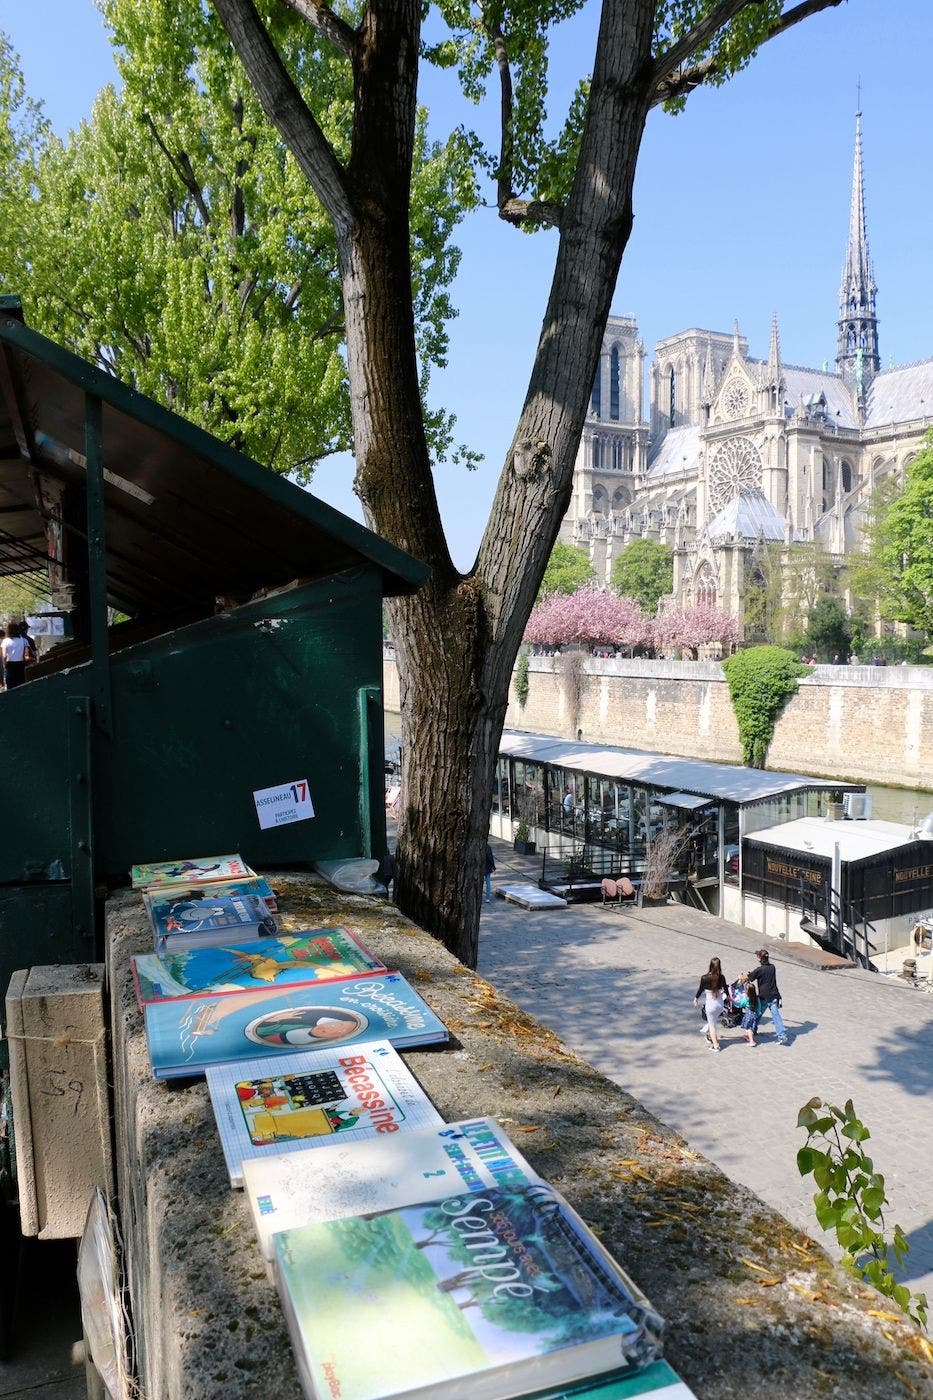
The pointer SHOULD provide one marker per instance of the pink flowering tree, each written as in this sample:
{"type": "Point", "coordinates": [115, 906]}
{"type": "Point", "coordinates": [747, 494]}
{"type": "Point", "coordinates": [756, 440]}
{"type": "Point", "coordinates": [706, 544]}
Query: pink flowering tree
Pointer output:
{"type": "Point", "coordinates": [692, 628]}
{"type": "Point", "coordinates": [589, 616]}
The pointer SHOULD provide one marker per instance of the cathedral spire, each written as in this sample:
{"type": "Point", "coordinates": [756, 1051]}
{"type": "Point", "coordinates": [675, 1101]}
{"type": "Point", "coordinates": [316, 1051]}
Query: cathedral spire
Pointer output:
{"type": "Point", "coordinates": [774, 353]}
{"type": "Point", "coordinates": [708, 385]}
{"type": "Point", "coordinates": [857, 339]}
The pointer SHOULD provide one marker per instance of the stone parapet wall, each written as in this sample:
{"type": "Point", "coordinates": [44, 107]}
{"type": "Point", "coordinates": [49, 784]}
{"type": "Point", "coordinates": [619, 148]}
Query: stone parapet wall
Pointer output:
{"type": "Point", "coordinates": [857, 723]}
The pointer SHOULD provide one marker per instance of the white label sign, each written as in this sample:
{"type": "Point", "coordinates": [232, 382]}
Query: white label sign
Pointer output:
{"type": "Point", "coordinates": [277, 806]}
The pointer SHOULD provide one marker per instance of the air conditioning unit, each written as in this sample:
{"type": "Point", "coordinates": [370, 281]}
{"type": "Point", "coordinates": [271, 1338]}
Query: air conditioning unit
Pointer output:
{"type": "Point", "coordinates": [925, 829]}
{"type": "Point", "coordinates": [856, 806]}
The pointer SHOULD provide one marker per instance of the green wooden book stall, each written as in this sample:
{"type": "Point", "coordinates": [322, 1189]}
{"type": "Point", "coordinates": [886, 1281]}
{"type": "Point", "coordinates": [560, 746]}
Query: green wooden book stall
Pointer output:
{"type": "Point", "coordinates": [248, 653]}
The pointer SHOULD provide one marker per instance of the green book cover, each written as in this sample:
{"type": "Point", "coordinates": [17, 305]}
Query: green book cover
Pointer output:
{"type": "Point", "coordinates": [506, 1291]}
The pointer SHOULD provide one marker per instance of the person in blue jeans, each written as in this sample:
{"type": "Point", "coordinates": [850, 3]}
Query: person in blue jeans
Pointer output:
{"type": "Point", "coordinates": [769, 998]}
{"type": "Point", "coordinates": [487, 874]}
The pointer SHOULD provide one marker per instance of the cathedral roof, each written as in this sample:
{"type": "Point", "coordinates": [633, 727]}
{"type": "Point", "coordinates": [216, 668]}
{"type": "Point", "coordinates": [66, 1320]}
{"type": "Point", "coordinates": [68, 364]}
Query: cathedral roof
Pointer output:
{"type": "Point", "coordinates": [750, 516]}
{"type": "Point", "coordinates": [806, 383]}
{"type": "Point", "coordinates": [900, 395]}
{"type": "Point", "coordinates": [679, 452]}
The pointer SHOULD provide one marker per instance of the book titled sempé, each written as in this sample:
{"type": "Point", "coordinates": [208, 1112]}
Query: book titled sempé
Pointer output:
{"type": "Point", "coordinates": [187, 1037]}
{"type": "Point", "coordinates": [477, 1296]}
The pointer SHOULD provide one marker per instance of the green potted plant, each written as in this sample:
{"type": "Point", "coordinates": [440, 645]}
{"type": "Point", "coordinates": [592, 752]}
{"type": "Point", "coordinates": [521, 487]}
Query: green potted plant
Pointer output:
{"type": "Point", "coordinates": [835, 810]}
{"type": "Point", "coordinates": [522, 845]}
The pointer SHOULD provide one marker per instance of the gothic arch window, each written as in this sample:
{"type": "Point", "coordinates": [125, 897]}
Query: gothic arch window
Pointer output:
{"type": "Point", "coordinates": [846, 477]}
{"type": "Point", "coordinates": [735, 466]}
{"type": "Point", "coordinates": [673, 396]}
{"type": "Point", "coordinates": [597, 452]}
{"type": "Point", "coordinates": [596, 396]}
{"type": "Point", "coordinates": [621, 498]}
{"type": "Point", "coordinates": [704, 586]}
{"type": "Point", "coordinates": [614, 384]}
{"type": "Point", "coordinates": [600, 501]}
{"type": "Point", "coordinates": [617, 454]}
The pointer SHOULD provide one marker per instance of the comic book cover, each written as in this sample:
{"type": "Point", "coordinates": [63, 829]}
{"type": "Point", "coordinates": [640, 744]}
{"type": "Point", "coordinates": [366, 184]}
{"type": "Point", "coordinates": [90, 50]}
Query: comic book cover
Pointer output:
{"type": "Point", "coordinates": [513, 1290]}
{"type": "Point", "coordinates": [187, 1037]}
{"type": "Point", "coordinates": [195, 871]}
{"type": "Point", "coordinates": [200, 918]}
{"type": "Point", "coordinates": [278, 1109]}
{"type": "Point", "coordinates": [287, 960]}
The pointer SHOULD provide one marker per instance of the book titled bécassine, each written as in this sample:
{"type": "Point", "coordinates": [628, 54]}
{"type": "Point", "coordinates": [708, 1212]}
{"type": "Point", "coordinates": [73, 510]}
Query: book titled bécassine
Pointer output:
{"type": "Point", "coordinates": [273, 1109]}
{"type": "Point", "coordinates": [200, 918]}
{"type": "Point", "coordinates": [361, 1178]}
{"type": "Point", "coordinates": [195, 871]}
{"type": "Point", "coordinates": [288, 960]}
{"type": "Point", "coordinates": [187, 1037]}
{"type": "Point", "coordinates": [479, 1296]}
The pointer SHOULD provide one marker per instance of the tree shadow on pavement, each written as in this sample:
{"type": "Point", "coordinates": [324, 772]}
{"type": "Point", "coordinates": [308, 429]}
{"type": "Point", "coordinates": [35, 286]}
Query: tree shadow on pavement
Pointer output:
{"type": "Point", "coordinates": [904, 1056]}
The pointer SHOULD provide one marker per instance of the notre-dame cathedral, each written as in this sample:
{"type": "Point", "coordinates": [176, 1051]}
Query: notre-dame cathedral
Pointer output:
{"type": "Point", "coordinates": [744, 459]}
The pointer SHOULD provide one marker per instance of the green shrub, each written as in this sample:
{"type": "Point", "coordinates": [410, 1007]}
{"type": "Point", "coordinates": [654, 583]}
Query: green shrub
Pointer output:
{"type": "Point", "coordinates": [851, 1198]}
{"type": "Point", "coordinates": [761, 680]}
{"type": "Point", "coordinates": [521, 679]}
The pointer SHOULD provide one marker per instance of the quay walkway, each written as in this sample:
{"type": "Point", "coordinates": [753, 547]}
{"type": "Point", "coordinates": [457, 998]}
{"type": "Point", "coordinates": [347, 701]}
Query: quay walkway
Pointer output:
{"type": "Point", "coordinates": [617, 986]}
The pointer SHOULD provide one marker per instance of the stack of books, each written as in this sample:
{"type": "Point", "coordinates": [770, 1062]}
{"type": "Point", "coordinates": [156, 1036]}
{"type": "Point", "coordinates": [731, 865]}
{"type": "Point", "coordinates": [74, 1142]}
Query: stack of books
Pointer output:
{"type": "Point", "coordinates": [468, 1275]}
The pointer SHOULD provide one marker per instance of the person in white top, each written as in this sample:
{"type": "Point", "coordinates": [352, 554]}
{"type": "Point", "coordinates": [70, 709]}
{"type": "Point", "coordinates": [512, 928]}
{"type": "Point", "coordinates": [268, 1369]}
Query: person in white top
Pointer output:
{"type": "Point", "coordinates": [13, 649]}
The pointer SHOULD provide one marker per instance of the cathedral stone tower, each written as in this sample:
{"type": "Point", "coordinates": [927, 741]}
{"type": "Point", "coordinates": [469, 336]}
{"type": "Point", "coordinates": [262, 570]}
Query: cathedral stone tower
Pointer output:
{"type": "Point", "coordinates": [857, 356]}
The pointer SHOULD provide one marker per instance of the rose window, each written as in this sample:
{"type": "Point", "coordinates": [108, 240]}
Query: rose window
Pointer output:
{"type": "Point", "coordinates": [735, 466]}
{"type": "Point", "coordinates": [735, 399]}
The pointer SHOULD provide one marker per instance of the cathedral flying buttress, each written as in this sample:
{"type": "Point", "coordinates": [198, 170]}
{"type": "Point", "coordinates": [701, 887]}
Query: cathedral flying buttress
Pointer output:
{"type": "Point", "coordinates": [739, 462]}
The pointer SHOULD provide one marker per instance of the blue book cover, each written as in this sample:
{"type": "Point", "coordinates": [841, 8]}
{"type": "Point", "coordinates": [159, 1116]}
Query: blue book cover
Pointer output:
{"type": "Point", "coordinates": [289, 960]}
{"type": "Point", "coordinates": [187, 1037]}
{"type": "Point", "coordinates": [200, 917]}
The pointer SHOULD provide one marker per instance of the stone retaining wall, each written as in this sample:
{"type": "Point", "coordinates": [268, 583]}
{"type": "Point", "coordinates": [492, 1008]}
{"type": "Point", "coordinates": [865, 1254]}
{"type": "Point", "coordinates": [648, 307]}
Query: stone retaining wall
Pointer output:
{"type": "Point", "coordinates": [754, 1307]}
{"type": "Point", "coordinates": [858, 723]}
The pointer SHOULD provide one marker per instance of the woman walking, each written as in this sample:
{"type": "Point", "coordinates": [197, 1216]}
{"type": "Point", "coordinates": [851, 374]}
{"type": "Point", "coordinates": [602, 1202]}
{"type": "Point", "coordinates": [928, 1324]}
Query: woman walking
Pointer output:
{"type": "Point", "coordinates": [713, 987]}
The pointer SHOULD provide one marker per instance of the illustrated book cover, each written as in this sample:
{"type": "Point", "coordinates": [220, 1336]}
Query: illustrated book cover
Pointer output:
{"type": "Point", "coordinates": [197, 871]}
{"type": "Point", "coordinates": [256, 885]}
{"type": "Point", "coordinates": [513, 1290]}
{"type": "Point", "coordinates": [200, 918]}
{"type": "Point", "coordinates": [187, 1037]}
{"type": "Point", "coordinates": [361, 1178]}
{"type": "Point", "coordinates": [272, 1111]}
{"type": "Point", "coordinates": [288, 960]}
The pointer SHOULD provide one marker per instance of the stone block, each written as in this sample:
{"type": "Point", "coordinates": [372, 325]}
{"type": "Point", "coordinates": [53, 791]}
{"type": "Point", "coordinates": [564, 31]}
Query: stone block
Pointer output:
{"type": "Point", "coordinates": [58, 1082]}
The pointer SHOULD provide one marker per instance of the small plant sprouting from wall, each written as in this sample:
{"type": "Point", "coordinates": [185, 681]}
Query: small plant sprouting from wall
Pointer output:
{"type": "Point", "coordinates": [851, 1198]}
{"type": "Point", "coordinates": [521, 679]}
{"type": "Point", "coordinates": [573, 677]}
{"type": "Point", "coordinates": [761, 681]}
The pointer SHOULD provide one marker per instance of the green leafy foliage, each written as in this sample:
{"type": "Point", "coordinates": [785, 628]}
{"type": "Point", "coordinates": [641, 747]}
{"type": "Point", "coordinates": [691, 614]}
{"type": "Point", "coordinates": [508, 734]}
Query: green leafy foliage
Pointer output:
{"type": "Point", "coordinates": [644, 570]}
{"type": "Point", "coordinates": [521, 683]}
{"type": "Point", "coordinates": [851, 1199]}
{"type": "Point", "coordinates": [761, 680]}
{"type": "Point", "coordinates": [567, 570]}
{"type": "Point", "coordinates": [172, 238]}
{"type": "Point", "coordinates": [829, 631]}
{"type": "Point", "coordinates": [904, 547]}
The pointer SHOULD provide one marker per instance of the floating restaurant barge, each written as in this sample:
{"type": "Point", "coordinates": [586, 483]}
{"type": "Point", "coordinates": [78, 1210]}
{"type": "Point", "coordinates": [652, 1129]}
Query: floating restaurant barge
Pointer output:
{"type": "Point", "coordinates": [764, 849]}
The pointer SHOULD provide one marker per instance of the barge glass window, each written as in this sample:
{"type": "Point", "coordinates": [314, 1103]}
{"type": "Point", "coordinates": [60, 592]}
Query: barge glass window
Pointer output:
{"type": "Point", "coordinates": [731, 843]}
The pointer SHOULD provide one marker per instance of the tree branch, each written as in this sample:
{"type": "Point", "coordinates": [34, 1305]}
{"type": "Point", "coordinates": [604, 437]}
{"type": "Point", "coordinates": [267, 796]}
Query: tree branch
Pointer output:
{"type": "Point", "coordinates": [511, 208]}
{"type": "Point", "coordinates": [182, 168]}
{"type": "Point", "coordinates": [530, 211]}
{"type": "Point", "coordinates": [670, 84]}
{"type": "Point", "coordinates": [285, 107]}
{"type": "Point", "coordinates": [331, 26]}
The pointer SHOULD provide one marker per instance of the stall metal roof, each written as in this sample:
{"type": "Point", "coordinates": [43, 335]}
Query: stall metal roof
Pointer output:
{"type": "Point", "coordinates": [685, 801]}
{"type": "Point", "coordinates": [857, 840]}
{"type": "Point", "coordinates": [712, 781]}
{"type": "Point", "coordinates": [187, 517]}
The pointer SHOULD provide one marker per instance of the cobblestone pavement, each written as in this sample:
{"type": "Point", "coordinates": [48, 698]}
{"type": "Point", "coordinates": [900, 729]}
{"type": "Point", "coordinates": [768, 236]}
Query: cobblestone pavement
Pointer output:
{"type": "Point", "coordinates": [618, 986]}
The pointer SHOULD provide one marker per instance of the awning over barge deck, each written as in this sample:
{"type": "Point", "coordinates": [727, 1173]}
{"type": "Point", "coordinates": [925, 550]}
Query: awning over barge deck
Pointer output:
{"type": "Point", "coordinates": [719, 782]}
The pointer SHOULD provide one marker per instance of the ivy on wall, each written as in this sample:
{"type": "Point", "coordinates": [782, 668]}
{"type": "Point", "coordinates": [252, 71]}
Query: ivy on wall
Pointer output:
{"type": "Point", "coordinates": [521, 679]}
{"type": "Point", "coordinates": [761, 681]}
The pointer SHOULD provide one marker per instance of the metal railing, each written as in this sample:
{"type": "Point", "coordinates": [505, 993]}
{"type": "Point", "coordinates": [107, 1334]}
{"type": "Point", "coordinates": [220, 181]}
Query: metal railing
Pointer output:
{"type": "Point", "coordinates": [837, 924]}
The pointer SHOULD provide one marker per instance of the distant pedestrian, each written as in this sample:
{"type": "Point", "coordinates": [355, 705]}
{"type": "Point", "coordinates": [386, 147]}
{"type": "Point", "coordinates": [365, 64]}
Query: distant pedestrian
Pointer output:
{"type": "Point", "coordinates": [712, 988]}
{"type": "Point", "coordinates": [13, 649]}
{"type": "Point", "coordinates": [765, 978]}
{"type": "Point", "coordinates": [853, 660]}
{"type": "Point", "coordinates": [837, 660]}
{"type": "Point", "coordinates": [489, 871]}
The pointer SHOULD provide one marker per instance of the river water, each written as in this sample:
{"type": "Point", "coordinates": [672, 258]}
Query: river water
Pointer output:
{"type": "Point", "coordinates": [890, 804]}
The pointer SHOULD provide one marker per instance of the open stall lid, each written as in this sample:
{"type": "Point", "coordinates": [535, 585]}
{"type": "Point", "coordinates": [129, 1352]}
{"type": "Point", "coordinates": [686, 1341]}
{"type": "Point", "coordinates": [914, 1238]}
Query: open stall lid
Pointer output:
{"type": "Point", "coordinates": [187, 517]}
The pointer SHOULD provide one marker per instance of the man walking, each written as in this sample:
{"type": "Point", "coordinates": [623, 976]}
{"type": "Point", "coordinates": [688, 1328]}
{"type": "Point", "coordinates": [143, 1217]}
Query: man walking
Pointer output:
{"type": "Point", "coordinates": [488, 872]}
{"type": "Point", "coordinates": [769, 998]}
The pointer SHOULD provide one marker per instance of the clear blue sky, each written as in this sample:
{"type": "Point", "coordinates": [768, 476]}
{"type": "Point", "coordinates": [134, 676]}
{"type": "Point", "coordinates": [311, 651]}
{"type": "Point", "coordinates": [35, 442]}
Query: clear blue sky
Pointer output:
{"type": "Point", "coordinates": [741, 209]}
